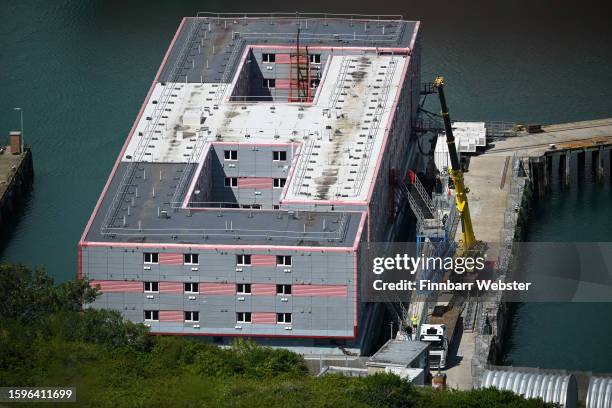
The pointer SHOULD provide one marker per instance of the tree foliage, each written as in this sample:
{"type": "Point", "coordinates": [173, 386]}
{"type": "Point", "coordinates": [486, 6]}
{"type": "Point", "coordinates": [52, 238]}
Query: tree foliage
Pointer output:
{"type": "Point", "coordinates": [47, 340]}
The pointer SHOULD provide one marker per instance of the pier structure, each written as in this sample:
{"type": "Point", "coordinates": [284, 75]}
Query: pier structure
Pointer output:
{"type": "Point", "coordinates": [498, 178]}
{"type": "Point", "coordinates": [16, 178]}
{"type": "Point", "coordinates": [567, 149]}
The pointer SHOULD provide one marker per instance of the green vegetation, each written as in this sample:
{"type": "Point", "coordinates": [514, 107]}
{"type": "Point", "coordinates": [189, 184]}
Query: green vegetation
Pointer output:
{"type": "Point", "coordinates": [45, 340]}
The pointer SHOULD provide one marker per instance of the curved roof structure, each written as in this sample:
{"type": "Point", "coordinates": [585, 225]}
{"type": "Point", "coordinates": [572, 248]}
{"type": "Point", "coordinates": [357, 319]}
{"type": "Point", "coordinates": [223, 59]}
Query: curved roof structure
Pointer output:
{"type": "Point", "coordinates": [559, 389]}
{"type": "Point", "coordinates": [600, 393]}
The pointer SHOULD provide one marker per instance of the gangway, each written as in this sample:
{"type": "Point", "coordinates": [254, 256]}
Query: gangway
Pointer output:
{"type": "Point", "coordinates": [437, 222]}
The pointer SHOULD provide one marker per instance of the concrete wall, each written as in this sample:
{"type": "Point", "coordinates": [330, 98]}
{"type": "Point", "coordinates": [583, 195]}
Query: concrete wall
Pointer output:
{"type": "Point", "coordinates": [397, 157]}
{"type": "Point", "coordinates": [254, 164]}
{"type": "Point", "coordinates": [249, 85]}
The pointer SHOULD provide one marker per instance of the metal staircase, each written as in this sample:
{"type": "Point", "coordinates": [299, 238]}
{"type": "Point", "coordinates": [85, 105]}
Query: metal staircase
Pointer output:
{"type": "Point", "coordinates": [299, 74]}
{"type": "Point", "coordinates": [421, 204]}
{"type": "Point", "coordinates": [437, 217]}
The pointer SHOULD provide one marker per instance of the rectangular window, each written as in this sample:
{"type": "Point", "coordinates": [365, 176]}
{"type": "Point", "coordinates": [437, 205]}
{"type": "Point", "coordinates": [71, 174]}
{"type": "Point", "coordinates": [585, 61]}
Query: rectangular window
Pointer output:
{"type": "Point", "coordinates": [243, 288]}
{"type": "Point", "coordinates": [314, 83]}
{"type": "Point", "coordinates": [276, 207]}
{"type": "Point", "coordinates": [191, 317]}
{"type": "Point", "coordinates": [151, 257]}
{"type": "Point", "coordinates": [151, 287]}
{"type": "Point", "coordinates": [191, 259]}
{"type": "Point", "coordinates": [269, 82]}
{"type": "Point", "coordinates": [191, 287]}
{"type": "Point", "coordinates": [242, 260]}
{"type": "Point", "coordinates": [283, 318]}
{"type": "Point", "coordinates": [243, 317]}
{"type": "Point", "coordinates": [279, 182]}
{"type": "Point", "coordinates": [231, 182]}
{"type": "Point", "coordinates": [151, 315]}
{"type": "Point", "coordinates": [283, 289]}
{"type": "Point", "coordinates": [230, 154]}
{"type": "Point", "coordinates": [279, 156]}
{"type": "Point", "coordinates": [268, 57]}
{"type": "Point", "coordinates": [315, 58]}
{"type": "Point", "coordinates": [283, 260]}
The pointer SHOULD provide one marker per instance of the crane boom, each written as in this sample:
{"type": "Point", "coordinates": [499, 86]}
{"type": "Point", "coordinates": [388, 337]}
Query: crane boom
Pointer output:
{"type": "Point", "coordinates": [467, 236]}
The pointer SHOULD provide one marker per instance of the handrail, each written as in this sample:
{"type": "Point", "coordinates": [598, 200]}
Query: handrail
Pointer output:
{"type": "Point", "coordinates": [339, 234]}
{"type": "Point", "coordinates": [302, 166]}
{"type": "Point", "coordinates": [145, 139]}
{"type": "Point", "coordinates": [374, 126]}
{"type": "Point", "coordinates": [423, 194]}
{"type": "Point", "coordinates": [339, 83]}
{"type": "Point", "coordinates": [318, 15]}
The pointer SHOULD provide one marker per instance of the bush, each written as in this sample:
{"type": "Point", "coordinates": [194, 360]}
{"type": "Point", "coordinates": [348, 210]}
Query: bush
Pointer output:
{"type": "Point", "coordinates": [46, 340]}
{"type": "Point", "coordinates": [385, 390]}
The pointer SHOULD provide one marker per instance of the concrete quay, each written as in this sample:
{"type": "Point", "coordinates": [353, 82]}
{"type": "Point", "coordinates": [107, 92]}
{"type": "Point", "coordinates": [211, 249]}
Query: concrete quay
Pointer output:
{"type": "Point", "coordinates": [497, 179]}
{"type": "Point", "coordinates": [16, 178]}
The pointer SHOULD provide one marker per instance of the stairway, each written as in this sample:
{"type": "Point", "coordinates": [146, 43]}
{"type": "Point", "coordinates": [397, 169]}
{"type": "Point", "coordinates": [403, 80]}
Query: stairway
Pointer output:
{"type": "Point", "coordinates": [420, 203]}
{"type": "Point", "coordinates": [299, 77]}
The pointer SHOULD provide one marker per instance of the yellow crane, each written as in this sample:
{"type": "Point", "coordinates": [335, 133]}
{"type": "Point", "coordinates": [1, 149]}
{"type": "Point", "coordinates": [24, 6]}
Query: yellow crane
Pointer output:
{"type": "Point", "coordinates": [467, 236]}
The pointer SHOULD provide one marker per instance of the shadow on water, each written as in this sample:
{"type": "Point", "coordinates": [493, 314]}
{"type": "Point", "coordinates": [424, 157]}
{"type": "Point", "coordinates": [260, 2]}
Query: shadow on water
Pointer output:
{"type": "Point", "coordinates": [22, 205]}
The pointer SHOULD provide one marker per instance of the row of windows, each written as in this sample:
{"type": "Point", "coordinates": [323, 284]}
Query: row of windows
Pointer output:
{"type": "Point", "coordinates": [194, 287]}
{"type": "Point", "coordinates": [194, 259]}
{"type": "Point", "coordinates": [276, 183]}
{"type": "Point", "coordinates": [271, 83]}
{"type": "Point", "coordinates": [188, 259]}
{"type": "Point", "coordinates": [281, 260]}
{"type": "Point", "coordinates": [271, 57]}
{"type": "Point", "coordinates": [189, 316]}
{"type": "Point", "coordinates": [245, 317]}
{"type": "Point", "coordinates": [194, 317]}
{"type": "Point", "coordinates": [277, 155]}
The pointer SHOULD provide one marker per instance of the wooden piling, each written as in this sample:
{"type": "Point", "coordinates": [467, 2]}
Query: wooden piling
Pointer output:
{"type": "Point", "coordinates": [599, 164]}
{"type": "Point", "coordinates": [581, 160]}
{"type": "Point", "coordinates": [567, 169]}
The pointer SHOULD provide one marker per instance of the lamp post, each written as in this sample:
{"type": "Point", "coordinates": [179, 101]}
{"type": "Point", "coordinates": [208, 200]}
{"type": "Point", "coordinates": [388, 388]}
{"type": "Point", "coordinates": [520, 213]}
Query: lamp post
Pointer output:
{"type": "Point", "coordinates": [20, 110]}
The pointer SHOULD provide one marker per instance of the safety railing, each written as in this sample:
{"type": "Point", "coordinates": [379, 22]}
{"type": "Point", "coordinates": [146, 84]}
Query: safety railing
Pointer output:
{"type": "Point", "coordinates": [392, 27]}
{"type": "Point", "coordinates": [337, 234]}
{"type": "Point", "coordinates": [374, 126]}
{"type": "Point", "coordinates": [147, 134]}
{"type": "Point", "coordinates": [338, 83]}
{"type": "Point", "coordinates": [321, 16]}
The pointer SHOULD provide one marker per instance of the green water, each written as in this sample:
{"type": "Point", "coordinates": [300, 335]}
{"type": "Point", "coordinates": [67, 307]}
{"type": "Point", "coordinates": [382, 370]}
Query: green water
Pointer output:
{"type": "Point", "coordinates": [566, 335]}
{"type": "Point", "coordinates": [80, 69]}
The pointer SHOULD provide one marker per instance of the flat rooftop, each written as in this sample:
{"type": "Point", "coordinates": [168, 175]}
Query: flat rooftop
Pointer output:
{"type": "Point", "coordinates": [144, 222]}
{"type": "Point", "coordinates": [340, 134]}
{"type": "Point", "coordinates": [229, 34]}
{"type": "Point", "coordinates": [397, 353]}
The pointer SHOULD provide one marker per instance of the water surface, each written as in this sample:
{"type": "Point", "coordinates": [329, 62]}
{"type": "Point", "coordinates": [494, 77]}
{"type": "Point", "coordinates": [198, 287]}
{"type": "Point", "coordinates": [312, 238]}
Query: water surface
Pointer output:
{"type": "Point", "coordinates": [81, 69]}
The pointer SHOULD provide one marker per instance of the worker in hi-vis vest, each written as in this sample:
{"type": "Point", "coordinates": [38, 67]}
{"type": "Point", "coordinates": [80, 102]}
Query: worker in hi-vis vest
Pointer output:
{"type": "Point", "coordinates": [414, 321]}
